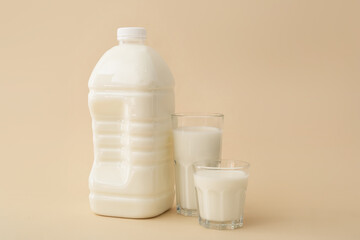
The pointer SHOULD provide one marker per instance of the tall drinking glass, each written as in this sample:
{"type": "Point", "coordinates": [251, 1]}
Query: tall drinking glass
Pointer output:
{"type": "Point", "coordinates": [197, 137]}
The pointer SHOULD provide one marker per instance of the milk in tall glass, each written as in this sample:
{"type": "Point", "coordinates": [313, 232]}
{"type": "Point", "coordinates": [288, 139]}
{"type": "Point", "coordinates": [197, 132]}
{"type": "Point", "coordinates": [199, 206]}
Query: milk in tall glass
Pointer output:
{"type": "Point", "coordinates": [195, 138]}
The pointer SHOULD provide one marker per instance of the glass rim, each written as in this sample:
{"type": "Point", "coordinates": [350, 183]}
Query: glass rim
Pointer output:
{"type": "Point", "coordinates": [196, 114]}
{"type": "Point", "coordinates": [203, 165]}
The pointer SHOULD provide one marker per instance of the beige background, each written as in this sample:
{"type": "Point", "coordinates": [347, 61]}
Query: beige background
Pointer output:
{"type": "Point", "coordinates": [286, 74]}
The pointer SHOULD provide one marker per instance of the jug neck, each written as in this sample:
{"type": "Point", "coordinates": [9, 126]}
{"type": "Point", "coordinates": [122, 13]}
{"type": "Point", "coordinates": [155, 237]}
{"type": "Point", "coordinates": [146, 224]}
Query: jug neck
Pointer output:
{"type": "Point", "coordinates": [131, 35]}
{"type": "Point", "coordinates": [137, 41]}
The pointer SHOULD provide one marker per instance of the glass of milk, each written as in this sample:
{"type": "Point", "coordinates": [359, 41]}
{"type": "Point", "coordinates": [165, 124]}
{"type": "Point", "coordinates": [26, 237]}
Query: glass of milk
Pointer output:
{"type": "Point", "coordinates": [197, 137]}
{"type": "Point", "coordinates": [220, 191]}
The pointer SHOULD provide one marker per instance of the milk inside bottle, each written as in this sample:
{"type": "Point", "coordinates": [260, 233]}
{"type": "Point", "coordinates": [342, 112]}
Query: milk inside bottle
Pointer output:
{"type": "Point", "coordinates": [131, 99]}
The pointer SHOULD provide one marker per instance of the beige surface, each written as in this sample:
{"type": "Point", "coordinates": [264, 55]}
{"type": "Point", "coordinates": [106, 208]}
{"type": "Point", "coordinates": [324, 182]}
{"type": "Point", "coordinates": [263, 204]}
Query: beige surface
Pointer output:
{"type": "Point", "coordinates": [286, 75]}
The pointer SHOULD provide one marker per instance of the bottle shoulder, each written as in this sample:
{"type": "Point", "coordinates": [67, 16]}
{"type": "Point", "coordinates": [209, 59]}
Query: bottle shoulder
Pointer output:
{"type": "Point", "coordinates": [131, 66]}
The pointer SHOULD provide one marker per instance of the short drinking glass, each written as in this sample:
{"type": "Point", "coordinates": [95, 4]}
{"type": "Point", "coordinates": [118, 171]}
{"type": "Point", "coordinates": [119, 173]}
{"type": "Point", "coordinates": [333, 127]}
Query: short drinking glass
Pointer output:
{"type": "Point", "coordinates": [220, 190]}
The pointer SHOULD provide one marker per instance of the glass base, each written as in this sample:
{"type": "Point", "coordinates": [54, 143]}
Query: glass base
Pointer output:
{"type": "Point", "coordinates": [228, 225]}
{"type": "Point", "coordinates": [186, 212]}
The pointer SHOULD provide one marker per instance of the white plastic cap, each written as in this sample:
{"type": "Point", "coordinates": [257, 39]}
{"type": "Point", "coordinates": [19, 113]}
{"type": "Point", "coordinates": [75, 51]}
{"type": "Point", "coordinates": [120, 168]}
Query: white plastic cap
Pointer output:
{"type": "Point", "coordinates": [131, 32]}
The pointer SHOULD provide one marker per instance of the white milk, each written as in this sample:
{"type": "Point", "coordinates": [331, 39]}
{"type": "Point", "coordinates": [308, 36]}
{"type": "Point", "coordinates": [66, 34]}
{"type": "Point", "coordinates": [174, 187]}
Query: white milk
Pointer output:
{"type": "Point", "coordinates": [221, 194]}
{"type": "Point", "coordinates": [131, 98]}
{"type": "Point", "coordinates": [193, 144]}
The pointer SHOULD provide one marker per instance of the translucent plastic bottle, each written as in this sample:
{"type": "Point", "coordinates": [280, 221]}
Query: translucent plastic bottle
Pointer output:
{"type": "Point", "coordinates": [130, 100]}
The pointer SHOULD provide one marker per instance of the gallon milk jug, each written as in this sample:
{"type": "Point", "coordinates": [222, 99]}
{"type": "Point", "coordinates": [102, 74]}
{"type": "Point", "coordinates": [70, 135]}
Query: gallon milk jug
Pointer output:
{"type": "Point", "coordinates": [130, 100]}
